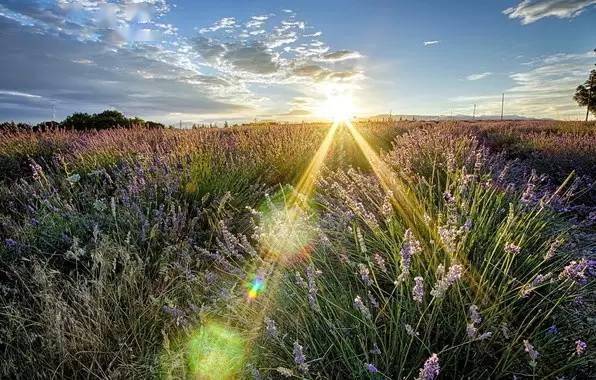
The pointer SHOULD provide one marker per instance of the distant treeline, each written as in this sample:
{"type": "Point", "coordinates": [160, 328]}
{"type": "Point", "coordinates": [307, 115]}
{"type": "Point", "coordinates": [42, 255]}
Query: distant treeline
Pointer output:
{"type": "Point", "coordinates": [81, 121]}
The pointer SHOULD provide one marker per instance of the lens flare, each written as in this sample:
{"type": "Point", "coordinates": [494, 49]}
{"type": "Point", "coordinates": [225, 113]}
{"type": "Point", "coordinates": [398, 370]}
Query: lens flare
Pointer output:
{"type": "Point", "coordinates": [256, 286]}
{"type": "Point", "coordinates": [216, 352]}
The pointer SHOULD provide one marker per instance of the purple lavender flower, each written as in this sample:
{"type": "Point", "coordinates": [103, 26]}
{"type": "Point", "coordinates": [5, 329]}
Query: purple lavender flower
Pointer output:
{"type": "Point", "coordinates": [541, 278]}
{"type": "Point", "coordinates": [431, 369]}
{"type": "Point", "coordinates": [418, 290]}
{"type": "Point", "coordinates": [575, 271]}
{"type": "Point", "coordinates": [371, 368]}
{"type": "Point", "coordinates": [448, 197]}
{"type": "Point", "coordinates": [311, 274]}
{"type": "Point", "coordinates": [592, 268]}
{"type": "Point", "coordinates": [380, 261]}
{"type": "Point", "coordinates": [552, 250]}
{"type": "Point", "coordinates": [580, 347]}
{"type": "Point", "coordinates": [552, 330]}
{"type": "Point", "coordinates": [270, 327]}
{"type": "Point", "coordinates": [299, 357]}
{"type": "Point", "coordinates": [475, 315]}
{"type": "Point", "coordinates": [409, 248]}
{"type": "Point", "coordinates": [10, 243]}
{"type": "Point", "coordinates": [177, 314]}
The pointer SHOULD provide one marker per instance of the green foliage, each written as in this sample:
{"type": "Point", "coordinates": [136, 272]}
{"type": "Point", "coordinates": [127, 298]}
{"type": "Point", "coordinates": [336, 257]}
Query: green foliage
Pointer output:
{"type": "Point", "coordinates": [104, 120]}
{"type": "Point", "coordinates": [586, 93]}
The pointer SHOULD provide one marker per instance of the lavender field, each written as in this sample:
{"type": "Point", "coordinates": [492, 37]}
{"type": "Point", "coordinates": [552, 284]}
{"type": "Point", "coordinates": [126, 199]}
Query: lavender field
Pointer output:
{"type": "Point", "coordinates": [384, 250]}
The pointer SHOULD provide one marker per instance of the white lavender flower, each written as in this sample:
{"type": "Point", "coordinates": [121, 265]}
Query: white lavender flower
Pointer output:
{"type": "Point", "coordinates": [375, 350]}
{"type": "Point", "coordinates": [300, 281]}
{"type": "Point", "coordinates": [373, 300]}
{"type": "Point", "coordinates": [410, 330]}
{"type": "Point", "coordinates": [454, 274]}
{"type": "Point", "coordinates": [471, 330]}
{"type": "Point", "coordinates": [364, 274]}
{"type": "Point", "coordinates": [359, 305]}
{"type": "Point", "coordinates": [418, 290]}
{"type": "Point", "coordinates": [449, 236]}
{"type": "Point", "coordinates": [299, 357]}
{"type": "Point", "coordinates": [440, 271]}
{"type": "Point", "coordinates": [361, 241]}
{"type": "Point", "coordinates": [431, 369]}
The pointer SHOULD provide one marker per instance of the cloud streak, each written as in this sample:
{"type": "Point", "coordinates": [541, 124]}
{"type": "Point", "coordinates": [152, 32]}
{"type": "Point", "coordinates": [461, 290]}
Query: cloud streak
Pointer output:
{"type": "Point", "coordinates": [479, 76]}
{"type": "Point", "coordinates": [529, 11]}
{"type": "Point", "coordinates": [431, 43]}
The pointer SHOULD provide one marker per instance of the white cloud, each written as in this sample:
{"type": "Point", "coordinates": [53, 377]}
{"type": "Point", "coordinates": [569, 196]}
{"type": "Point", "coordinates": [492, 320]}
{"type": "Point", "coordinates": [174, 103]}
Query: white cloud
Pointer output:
{"type": "Point", "coordinates": [224, 23]}
{"type": "Point", "coordinates": [478, 76]}
{"type": "Point", "coordinates": [18, 93]}
{"type": "Point", "coordinates": [340, 55]}
{"type": "Point", "coordinates": [430, 43]}
{"type": "Point", "coordinates": [529, 11]}
{"type": "Point", "coordinates": [257, 21]}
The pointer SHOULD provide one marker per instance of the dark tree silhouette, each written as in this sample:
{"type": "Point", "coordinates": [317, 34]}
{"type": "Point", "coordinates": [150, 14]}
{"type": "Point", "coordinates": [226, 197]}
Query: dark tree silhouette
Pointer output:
{"type": "Point", "coordinates": [585, 94]}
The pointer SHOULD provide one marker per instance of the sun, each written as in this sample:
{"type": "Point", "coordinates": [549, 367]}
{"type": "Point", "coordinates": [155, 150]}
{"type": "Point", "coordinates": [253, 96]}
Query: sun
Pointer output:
{"type": "Point", "coordinates": [338, 105]}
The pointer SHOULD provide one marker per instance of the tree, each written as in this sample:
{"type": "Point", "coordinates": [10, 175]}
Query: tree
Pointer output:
{"type": "Point", "coordinates": [78, 121]}
{"type": "Point", "coordinates": [109, 119]}
{"type": "Point", "coordinates": [585, 94]}
{"type": "Point", "coordinates": [104, 120]}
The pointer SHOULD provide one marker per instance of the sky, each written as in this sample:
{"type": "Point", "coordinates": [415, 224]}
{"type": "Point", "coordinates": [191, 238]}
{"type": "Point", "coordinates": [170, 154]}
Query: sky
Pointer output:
{"type": "Point", "coordinates": [204, 61]}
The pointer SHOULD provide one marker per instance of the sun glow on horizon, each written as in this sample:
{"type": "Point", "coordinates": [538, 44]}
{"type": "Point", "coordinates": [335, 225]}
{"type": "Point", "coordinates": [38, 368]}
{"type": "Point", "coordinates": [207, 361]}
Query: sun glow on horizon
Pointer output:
{"type": "Point", "coordinates": [338, 105]}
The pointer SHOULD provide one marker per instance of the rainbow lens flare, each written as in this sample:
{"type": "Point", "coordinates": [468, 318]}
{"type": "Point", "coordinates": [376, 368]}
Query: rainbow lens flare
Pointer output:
{"type": "Point", "coordinates": [256, 287]}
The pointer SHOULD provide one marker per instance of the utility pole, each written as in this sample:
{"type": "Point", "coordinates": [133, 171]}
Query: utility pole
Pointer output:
{"type": "Point", "coordinates": [474, 114]}
{"type": "Point", "coordinates": [502, 104]}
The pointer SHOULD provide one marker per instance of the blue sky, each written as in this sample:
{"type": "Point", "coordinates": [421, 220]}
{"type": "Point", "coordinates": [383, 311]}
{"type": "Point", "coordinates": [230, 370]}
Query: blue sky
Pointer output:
{"type": "Point", "coordinates": [196, 61]}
